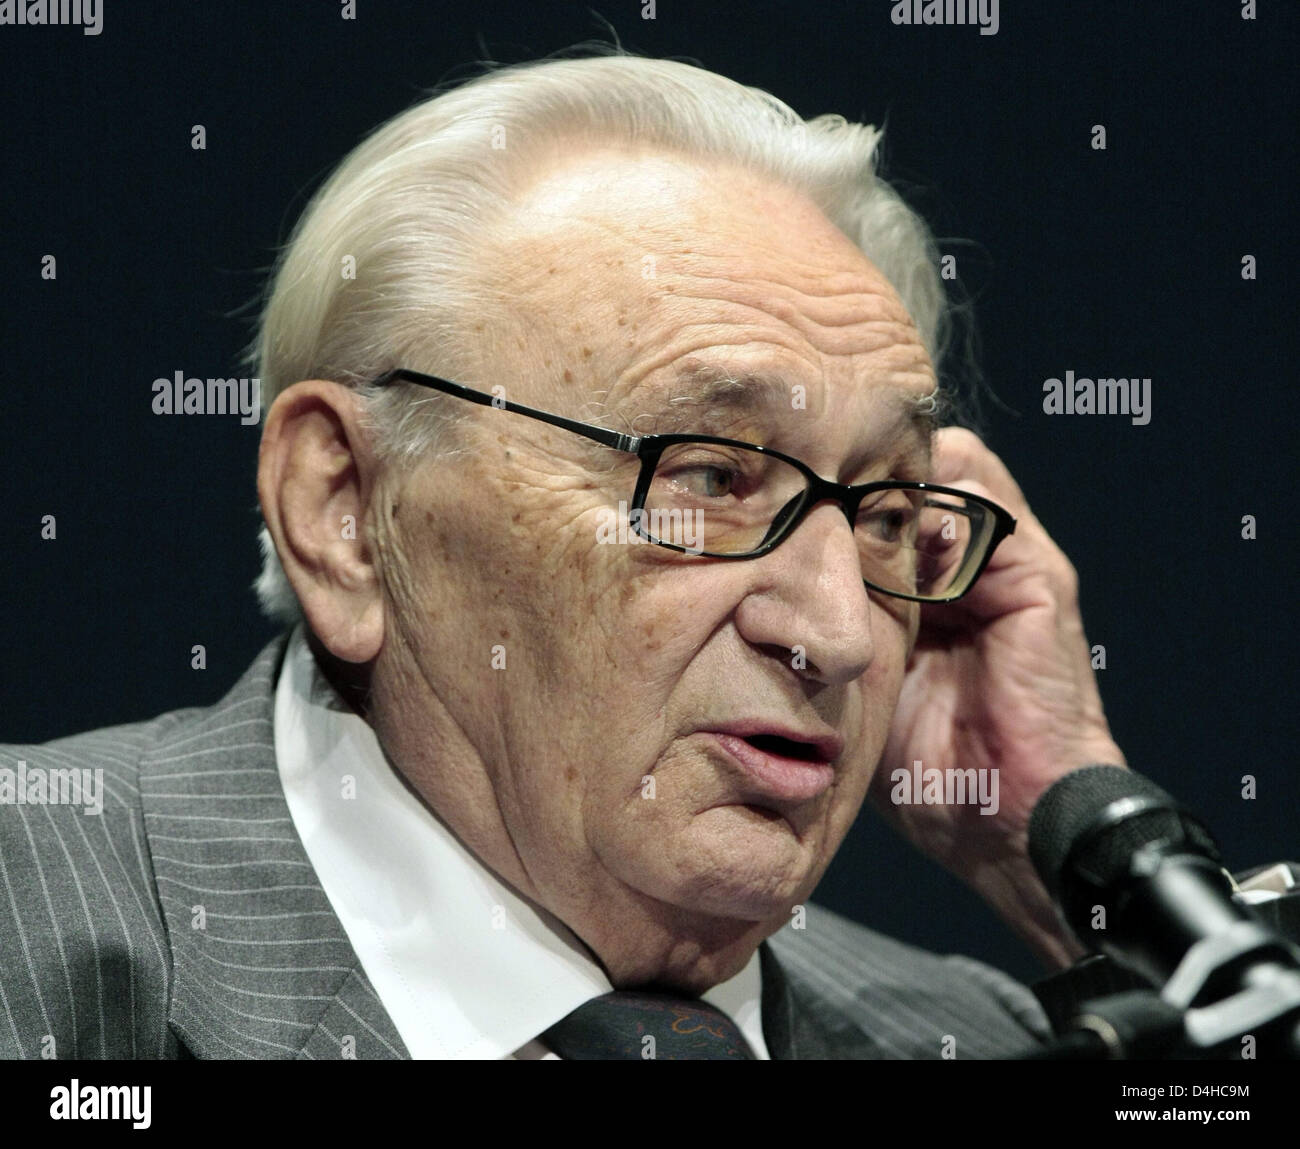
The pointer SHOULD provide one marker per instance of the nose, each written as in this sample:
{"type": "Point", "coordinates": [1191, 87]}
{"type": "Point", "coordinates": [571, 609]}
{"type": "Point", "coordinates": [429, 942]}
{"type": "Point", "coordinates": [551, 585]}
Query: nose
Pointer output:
{"type": "Point", "coordinates": [808, 597]}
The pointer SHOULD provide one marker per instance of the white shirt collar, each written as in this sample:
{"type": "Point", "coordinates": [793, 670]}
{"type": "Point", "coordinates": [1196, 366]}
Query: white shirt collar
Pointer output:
{"type": "Point", "coordinates": [464, 966]}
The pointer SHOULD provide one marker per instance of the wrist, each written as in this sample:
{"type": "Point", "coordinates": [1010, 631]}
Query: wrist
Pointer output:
{"type": "Point", "coordinates": [1013, 889]}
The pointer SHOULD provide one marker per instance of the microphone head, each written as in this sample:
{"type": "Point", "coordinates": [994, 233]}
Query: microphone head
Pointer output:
{"type": "Point", "coordinates": [1093, 820]}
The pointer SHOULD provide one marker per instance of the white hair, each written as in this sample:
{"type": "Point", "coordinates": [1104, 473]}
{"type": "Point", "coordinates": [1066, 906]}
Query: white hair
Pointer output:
{"type": "Point", "coordinates": [384, 267]}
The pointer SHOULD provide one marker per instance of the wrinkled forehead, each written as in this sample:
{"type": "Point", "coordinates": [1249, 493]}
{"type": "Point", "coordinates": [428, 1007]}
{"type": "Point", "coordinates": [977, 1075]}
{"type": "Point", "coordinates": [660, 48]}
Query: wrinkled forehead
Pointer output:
{"type": "Point", "coordinates": [654, 214]}
{"type": "Point", "coordinates": [661, 288]}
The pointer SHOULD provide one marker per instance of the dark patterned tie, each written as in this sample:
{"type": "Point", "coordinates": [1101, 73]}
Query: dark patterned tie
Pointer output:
{"type": "Point", "coordinates": [635, 1025]}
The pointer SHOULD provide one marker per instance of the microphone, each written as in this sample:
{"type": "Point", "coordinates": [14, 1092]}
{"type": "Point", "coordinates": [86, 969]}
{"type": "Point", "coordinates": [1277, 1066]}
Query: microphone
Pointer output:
{"type": "Point", "coordinates": [1139, 878]}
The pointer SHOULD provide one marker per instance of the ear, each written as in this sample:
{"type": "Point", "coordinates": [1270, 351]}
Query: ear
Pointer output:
{"type": "Point", "coordinates": [316, 475]}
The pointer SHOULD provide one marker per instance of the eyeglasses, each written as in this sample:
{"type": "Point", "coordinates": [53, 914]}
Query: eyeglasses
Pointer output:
{"type": "Point", "coordinates": [723, 498]}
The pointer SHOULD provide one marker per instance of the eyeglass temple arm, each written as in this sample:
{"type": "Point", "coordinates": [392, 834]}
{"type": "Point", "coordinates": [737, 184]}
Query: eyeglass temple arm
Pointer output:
{"type": "Point", "coordinates": [599, 434]}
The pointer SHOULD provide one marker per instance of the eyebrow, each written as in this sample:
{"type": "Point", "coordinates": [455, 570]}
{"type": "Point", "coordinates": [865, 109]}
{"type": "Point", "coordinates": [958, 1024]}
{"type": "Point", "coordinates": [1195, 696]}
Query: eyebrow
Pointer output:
{"type": "Point", "coordinates": [711, 394]}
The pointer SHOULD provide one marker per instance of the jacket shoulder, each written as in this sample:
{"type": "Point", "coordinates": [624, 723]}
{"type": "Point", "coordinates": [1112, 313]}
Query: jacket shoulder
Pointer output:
{"type": "Point", "coordinates": [908, 1002]}
{"type": "Point", "coordinates": [85, 967]}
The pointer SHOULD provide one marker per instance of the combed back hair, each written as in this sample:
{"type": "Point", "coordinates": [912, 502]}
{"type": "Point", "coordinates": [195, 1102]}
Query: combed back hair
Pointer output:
{"type": "Point", "coordinates": [384, 267]}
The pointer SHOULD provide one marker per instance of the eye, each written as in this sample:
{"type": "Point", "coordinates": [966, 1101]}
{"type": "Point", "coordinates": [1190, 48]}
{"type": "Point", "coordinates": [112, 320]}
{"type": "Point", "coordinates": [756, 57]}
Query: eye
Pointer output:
{"type": "Point", "coordinates": [706, 475]}
{"type": "Point", "coordinates": [891, 520]}
{"type": "Point", "coordinates": [713, 482]}
{"type": "Point", "coordinates": [888, 525]}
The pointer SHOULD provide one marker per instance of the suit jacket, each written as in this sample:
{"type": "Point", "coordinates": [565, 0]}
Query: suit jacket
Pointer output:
{"type": "Point", "coordinates": [185, 920]}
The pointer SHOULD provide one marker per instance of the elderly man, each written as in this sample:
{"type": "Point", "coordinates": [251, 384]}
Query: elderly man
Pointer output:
{"type": "Point", "coordinates": [604, 491]}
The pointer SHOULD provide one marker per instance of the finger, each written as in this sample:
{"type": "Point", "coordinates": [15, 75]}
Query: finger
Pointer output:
{"type": "Point", "coordinates": [960, 454]}
{"type": "Point", "coordinates": [961, 459]}
{"type": "Point", "coordinates": [1030, 548]}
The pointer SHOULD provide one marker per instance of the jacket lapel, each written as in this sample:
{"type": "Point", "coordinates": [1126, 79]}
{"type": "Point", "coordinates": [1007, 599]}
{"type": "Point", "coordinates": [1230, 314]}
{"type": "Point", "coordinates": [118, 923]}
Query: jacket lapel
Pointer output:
{"type": "Point", "coordinates": [796, 1029]}
{"type": "Point", "coordinates": [261, 965]}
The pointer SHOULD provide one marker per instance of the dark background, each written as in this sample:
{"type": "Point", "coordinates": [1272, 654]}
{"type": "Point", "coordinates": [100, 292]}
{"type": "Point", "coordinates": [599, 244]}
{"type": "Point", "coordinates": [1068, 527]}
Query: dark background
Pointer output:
{"type": "Point", "coordinates": [1125, 262]}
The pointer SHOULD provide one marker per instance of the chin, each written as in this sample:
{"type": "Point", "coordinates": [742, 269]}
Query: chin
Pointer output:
{"type": "Point", "coordinates": [729, 870]}
{"type": "Point", "coordinates": [747, 908]}
{"type": "Point", "coordinates": [745, 893]}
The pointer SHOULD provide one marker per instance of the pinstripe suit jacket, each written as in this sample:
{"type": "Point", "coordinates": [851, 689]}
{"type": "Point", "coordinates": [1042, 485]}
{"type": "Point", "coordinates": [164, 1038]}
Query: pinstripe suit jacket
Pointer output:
{"type": "Point", "coordinates": [185, 920]}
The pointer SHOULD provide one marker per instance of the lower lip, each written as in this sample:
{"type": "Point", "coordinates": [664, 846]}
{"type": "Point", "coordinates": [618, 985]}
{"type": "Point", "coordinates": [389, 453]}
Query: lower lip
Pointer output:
{"type": "Point", "coordinates": [790, 779]}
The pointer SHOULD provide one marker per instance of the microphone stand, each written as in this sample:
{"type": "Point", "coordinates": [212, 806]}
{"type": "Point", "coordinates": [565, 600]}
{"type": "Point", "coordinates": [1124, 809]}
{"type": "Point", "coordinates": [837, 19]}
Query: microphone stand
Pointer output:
{"type": "Point", "coordinates": [1189, 1018]}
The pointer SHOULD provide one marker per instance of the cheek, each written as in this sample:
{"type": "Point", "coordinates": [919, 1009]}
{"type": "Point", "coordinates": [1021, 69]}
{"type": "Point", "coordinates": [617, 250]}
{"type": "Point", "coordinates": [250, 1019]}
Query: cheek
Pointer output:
{"type": "Point", "coordinates": [896, 627]}
{"type": "Point", "coordinates": [604, 639]}
{"type": "Point", "coordinates": [636, 610]}
{"type": "Point", "coordinates": [875, 695]}
{"type": "Point", "coordinates": [629, 683]}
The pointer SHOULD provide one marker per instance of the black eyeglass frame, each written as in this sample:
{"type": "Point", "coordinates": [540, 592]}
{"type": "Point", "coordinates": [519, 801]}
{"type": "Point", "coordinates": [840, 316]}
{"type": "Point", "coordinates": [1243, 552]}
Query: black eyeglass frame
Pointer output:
{"type": "Point", "coordinates": [649, 448]}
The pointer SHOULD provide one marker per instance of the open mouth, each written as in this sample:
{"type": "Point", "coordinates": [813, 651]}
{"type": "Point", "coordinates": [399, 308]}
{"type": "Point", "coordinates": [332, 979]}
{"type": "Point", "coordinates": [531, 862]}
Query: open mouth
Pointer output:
{"type": "Point", "coordinates": [779, 767]}
{"type": "Point", "coordinates": [785, 747]}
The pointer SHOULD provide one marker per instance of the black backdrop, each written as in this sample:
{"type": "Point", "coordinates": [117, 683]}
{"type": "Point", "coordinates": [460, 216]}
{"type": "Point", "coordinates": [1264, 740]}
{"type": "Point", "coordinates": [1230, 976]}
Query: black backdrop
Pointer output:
{"type": "Point", "coordinates": [1122, 262]}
